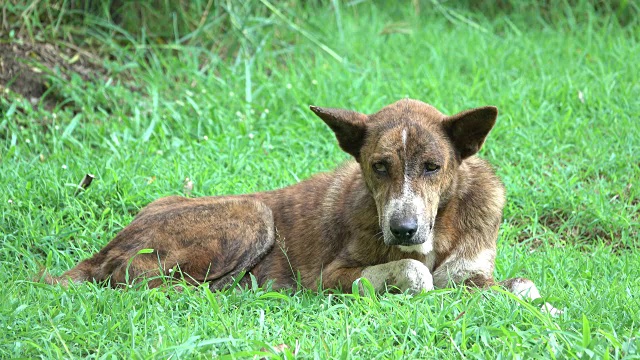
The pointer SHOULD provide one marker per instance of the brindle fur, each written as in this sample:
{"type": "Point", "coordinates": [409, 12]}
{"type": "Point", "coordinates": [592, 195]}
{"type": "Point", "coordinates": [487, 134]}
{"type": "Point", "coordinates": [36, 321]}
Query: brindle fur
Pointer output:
{"type": "Point", "coordinates": [332, 229]}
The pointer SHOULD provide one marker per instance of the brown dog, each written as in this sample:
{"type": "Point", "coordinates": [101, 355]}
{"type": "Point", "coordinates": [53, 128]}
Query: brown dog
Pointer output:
{"type": "Point", "coordinates": [416, 209]}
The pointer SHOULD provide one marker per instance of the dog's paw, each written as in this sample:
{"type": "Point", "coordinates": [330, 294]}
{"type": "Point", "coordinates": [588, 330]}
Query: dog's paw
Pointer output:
{"type": "Point", "coordinates": [413, 276]}
{"type": "Point", "coordinates": [406, 274]}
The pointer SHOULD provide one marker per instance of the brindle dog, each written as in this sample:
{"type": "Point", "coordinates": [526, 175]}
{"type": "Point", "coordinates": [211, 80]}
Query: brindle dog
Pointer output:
{"type": "Point", "coordinates": [414, 209]}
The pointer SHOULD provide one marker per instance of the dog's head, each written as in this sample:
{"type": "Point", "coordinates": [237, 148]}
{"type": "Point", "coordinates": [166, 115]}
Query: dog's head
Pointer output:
{"type": "Point", "coordinates": [409, 153]}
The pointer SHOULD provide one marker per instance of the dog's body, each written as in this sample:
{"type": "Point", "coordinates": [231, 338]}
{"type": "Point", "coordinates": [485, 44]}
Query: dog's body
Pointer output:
{"type": "Point", "coordinates": [415, 209]}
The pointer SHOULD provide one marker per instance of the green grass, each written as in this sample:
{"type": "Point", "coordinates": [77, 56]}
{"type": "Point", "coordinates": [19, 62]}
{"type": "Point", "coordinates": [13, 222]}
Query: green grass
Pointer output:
{"type": "Point", "coordinates": [235, 120]}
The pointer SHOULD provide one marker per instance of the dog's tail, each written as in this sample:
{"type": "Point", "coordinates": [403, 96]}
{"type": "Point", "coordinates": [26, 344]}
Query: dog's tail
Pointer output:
{"type": "Point", "coordinates": [78, 274]}
{"type": "Point", "coordinates": [526, 289]}
{"type": "Point", "coordinates": [63, 280]}
{"type": "Point", "coordinates": [44, 277]}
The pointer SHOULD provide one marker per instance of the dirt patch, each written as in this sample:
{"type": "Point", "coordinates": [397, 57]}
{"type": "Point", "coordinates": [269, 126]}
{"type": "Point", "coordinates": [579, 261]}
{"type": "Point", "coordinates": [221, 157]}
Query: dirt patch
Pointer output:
{"type": "Point", "coordinates": [25, 69]}
{"type": "Point", "coordinates": [576, 233]}
{"type": "Point", "coordinates": [557, 222]}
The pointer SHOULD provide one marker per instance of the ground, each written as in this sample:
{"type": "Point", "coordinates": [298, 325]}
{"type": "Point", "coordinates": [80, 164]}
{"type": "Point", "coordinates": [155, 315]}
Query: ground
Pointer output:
{"type": "Point", "coordinates": [229, 111]}
{"type": "Point", "coordinates": [24, 68]}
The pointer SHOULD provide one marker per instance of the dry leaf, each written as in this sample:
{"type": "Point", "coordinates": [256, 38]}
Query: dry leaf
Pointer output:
{"type": "Point", "coordinates": [84, 183]}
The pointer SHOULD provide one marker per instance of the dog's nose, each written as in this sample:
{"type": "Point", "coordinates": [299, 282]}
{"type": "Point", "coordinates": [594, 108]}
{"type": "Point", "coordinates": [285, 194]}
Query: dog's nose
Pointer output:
{"type": "Point", "coordinates": [403, 229]}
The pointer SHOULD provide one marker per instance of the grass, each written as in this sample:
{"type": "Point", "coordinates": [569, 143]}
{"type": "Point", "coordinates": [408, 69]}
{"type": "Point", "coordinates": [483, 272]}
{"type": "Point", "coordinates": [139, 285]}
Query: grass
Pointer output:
{"type": "Point", "coordinates": [235, 120]}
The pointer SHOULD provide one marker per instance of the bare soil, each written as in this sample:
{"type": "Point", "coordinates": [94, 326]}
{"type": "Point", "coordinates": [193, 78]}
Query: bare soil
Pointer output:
{"type": "Point", "coordinates": [25, 69]}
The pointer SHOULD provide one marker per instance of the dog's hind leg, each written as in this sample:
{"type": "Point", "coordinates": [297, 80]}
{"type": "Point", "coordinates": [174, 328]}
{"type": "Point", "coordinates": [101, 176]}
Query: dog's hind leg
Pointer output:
{"type": "Point", "coordinates": [521, 287]}
{"type": "Point", "coordinates": [526, 289]}
{"type": "Point", "coordinates": [204, 240]}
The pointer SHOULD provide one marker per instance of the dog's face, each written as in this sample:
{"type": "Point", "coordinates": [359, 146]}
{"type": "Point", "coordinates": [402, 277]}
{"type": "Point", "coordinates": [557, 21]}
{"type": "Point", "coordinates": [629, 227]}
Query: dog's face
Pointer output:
{"type": "Point", "coordinates": [409, 153]}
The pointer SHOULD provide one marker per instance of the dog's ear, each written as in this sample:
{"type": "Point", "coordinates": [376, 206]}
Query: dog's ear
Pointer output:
{"type": "Point", "coordinates": [470, 128]}
{"type": "Point", "coordinates": [349, 127]}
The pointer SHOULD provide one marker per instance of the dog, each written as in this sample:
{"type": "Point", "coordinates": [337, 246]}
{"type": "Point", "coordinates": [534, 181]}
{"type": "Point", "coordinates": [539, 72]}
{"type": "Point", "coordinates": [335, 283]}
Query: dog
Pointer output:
{"type": "Point", "coordinates": [414, 209]}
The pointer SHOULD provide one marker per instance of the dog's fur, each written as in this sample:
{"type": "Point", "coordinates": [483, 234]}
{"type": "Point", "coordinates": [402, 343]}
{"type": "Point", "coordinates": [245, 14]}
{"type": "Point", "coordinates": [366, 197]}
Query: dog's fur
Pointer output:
{"type": "Point", "coordinates": [416, 209]}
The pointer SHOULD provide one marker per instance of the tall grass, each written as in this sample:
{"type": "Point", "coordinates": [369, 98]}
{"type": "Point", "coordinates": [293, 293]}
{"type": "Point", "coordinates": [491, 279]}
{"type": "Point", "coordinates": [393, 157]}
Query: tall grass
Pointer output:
{"type": "Point", "coordinates": [224, 102]}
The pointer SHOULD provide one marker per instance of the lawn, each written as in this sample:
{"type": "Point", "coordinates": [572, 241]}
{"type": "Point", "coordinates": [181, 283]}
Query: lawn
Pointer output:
{"type": "Point", "coordinates": [229, 111]}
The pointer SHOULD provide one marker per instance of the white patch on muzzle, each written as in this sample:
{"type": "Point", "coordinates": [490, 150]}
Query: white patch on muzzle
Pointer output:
{"type": "Point", "coordinates": [408, 204]}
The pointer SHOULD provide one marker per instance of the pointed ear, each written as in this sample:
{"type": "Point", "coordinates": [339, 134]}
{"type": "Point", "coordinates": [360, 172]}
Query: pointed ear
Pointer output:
{"type": "Point", "coordinates": [349, 127]}
{"type": "Point", "coordinates": [470, 128]}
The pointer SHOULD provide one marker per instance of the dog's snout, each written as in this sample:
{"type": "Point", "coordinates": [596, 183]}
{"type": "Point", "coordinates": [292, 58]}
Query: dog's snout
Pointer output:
{"type": "Point", "coordinates": [404, 228]}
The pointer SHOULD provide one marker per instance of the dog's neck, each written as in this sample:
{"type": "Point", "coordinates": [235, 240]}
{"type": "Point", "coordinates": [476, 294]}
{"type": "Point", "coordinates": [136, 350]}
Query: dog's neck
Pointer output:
{"type": "Point", "coordinates": [352, 190]}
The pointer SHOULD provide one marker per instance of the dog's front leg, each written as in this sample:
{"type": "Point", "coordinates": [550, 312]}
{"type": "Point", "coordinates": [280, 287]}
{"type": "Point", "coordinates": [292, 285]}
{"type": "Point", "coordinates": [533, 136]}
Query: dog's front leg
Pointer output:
{"type": "Point", "coordinates": [405, 274]}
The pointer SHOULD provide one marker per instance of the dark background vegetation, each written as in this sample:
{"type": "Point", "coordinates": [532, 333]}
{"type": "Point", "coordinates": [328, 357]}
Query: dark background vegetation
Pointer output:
{"type": "Point", "coordinates": [210, 97]}
{"type": "Point", "coordinates": [51, 34]}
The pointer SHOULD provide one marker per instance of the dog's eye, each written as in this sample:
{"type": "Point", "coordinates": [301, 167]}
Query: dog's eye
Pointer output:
{"type": "Point", "coordinates": [380, 168]}
{"type": "Point", "coordinates": [430, 168]}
